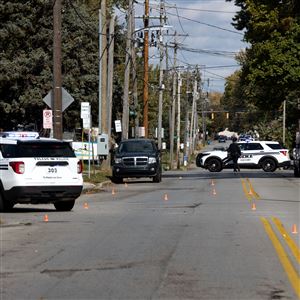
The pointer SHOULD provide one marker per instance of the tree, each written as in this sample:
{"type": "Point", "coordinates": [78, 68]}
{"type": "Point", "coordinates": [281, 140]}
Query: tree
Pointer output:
{"type": "Point", "coordinates": [270, 68]}
{"type": "Point", "coordinates": [26, 43]}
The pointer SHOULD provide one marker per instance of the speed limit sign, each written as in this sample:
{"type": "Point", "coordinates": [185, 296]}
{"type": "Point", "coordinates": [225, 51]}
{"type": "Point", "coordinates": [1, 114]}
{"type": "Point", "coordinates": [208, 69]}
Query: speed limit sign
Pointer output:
{"type": "Point", "coordinates": [47, 119]}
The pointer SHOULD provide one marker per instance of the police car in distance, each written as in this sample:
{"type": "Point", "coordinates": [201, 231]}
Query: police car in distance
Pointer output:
{"type": "Point", "coordinates": [38, 170]}
{"type": "Point", "coordinates": [266, 155]}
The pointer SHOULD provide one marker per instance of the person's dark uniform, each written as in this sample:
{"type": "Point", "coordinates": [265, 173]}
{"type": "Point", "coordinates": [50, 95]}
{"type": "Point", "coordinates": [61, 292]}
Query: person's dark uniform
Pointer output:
{"type": "Point", "coordinates": [234, 152]}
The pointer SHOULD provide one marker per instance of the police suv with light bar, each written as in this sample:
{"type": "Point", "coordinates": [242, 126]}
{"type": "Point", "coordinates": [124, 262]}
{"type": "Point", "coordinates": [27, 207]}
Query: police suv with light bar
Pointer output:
{"type": "Point", "coordinates": [38, 170]}
{"type": "Point", "coordinates": [267, 155]}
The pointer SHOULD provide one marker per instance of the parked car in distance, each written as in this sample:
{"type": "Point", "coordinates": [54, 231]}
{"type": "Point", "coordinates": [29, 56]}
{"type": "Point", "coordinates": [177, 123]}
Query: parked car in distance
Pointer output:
{"type": "Point", "coordinates": [267, 155]}
{"type": "Point", "coordinates": [135, 158]}
{"type": "Point", "coordinates": [222, 139]}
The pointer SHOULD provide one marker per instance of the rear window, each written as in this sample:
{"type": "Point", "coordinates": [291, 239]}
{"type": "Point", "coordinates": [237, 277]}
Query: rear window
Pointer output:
{"type": "Point", "coordinates": [275, 146]}
{"type": "Point", "coordinates": [37, 150]}
{"type": "Point", "coordinates": [137, 146]}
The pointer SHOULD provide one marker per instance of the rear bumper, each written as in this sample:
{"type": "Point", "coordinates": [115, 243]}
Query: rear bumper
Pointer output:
{"type": "Point", "coordinates": [42, 194]}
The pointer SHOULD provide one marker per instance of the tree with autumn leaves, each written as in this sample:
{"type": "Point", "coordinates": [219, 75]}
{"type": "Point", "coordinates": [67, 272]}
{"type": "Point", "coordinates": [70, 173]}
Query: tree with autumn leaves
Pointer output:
{"type": "Point", "coordinates": [270, 72]}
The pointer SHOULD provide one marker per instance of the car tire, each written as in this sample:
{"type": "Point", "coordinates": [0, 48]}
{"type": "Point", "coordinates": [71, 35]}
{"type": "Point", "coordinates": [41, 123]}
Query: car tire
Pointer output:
{"type": "Point", "coordinates": [214, 165]}
{"type": "Point", "coordinates": [296, 171]}
{"type": "Point", "coordinates": [269, 165]}
{"type": "Point", "coordinates": [64, 205]}
{"type": "Point", "coordinates": [157, 177]}
{"type": "Point", "coordinates": [2, 206]}
{"type": "Point", "coordinates": [198, 158]}
{"type": "Point", "coordinates": [5, 205]}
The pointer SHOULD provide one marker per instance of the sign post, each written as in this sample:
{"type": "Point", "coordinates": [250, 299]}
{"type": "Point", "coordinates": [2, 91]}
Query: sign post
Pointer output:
{"type": "Point", "coordinates": [85, 114]}
{"type": "Point", "coordinates": [47, 119]}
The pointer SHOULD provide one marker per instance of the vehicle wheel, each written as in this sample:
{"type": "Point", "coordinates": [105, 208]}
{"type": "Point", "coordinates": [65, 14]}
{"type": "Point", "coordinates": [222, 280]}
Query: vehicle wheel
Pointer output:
{"type": "Point", "coordinates": [2, 208]}
{"type": "Point", "coordinates": [296, 171]}
{"type": "Point", "coordinates": [214, 165]}
{"type": "Point", "coordinates": [198, 160]}
{"type": "Point", "coordinates": [5, 205]}
{"type": "Point", "coordinates": [117, 180]}
{"type": "Point", "coordinates": [157, 177]}
{"type": "Point", "coordinates": [64, 205]}
{"type": "Point", "coordinates": [269, 165]}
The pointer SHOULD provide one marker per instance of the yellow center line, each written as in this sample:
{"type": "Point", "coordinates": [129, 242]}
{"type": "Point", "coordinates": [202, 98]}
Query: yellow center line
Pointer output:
{"type": "Point", "coordinates": [245, 189]}
{"type": "Point", "coordinates": [283, 257]}
{"type": "Point", "coordinates": [251, 189]}
{"type": "Point", "coordinates": [290, 242]}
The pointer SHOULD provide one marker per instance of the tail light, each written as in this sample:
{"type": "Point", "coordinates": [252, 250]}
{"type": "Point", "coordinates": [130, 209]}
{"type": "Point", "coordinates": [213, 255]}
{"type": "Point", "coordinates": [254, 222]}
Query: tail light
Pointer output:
{"type": "Point", "coordinates": [18, 166]}
{"type": "Point", "coordinates": [284, 152]}
{"type": "Point", "coordinates": [79, 167]}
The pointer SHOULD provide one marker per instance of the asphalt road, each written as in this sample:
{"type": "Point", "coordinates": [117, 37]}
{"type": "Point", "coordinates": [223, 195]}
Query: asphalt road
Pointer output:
{"type": "Point", "coordinates": [195, 235]}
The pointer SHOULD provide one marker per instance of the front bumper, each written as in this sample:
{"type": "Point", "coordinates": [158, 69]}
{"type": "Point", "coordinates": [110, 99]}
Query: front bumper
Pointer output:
{"type": "Point", "coordinates": [125, 171]}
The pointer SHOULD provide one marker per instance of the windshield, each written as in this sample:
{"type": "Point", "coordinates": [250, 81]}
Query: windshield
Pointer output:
{"type": "Point", "coordinates": [137, 146]}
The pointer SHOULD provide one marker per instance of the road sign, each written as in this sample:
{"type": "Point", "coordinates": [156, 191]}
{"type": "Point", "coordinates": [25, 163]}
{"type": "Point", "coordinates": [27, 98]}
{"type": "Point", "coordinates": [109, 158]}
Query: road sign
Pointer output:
{"type": "Point", "coordinates": [86, 123]}
{"type": "Point", "coordinates": [67, 99]}
{"type": "Point", "coordinates": [118, 126]}
{"type": "Point", "coordinates": [85, 112]}
{"type": "Point", "coordinates": [47, 119]}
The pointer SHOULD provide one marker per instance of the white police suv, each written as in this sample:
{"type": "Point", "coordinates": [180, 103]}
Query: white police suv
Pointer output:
{"type": "Point", "coordinates": [38, 170]}
{"type": "Point", "coordinates": [266, 155]}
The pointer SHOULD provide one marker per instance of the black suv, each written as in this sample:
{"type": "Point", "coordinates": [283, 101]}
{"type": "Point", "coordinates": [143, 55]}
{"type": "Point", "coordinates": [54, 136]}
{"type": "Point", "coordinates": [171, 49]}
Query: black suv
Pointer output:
{"type": "Point", "coordinates": [136, 158]}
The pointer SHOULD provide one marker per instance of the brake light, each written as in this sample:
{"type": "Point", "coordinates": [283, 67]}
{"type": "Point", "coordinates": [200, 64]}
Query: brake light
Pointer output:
{"type": "Point", "coordinates": [79, 167]}
{"type": "Point", "coordinates": [18, 166]}
{"type": "Point", "coordinates": [283, 152]}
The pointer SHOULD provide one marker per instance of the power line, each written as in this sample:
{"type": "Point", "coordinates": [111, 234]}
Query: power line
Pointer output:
{"type": "Point", "coordinates": [206, 24]}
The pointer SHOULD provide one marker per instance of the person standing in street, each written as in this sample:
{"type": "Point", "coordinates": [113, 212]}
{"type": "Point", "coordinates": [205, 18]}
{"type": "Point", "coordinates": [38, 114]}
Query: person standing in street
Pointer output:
{"type": "Point", "coordinates": [234, 152]}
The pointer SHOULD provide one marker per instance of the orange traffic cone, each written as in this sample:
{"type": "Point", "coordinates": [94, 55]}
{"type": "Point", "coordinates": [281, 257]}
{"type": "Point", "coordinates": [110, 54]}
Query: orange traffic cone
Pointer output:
{"type": "Point", "coordinates": [294, 229]}
{"type": "Point", "coordinates": [46, 218]}
{"type": "Point", "coordinates": [166, 197]}
{"type": "Point", "coordinates": [253, 206]}
{"type": "Point", "coordinates": [86, 206]}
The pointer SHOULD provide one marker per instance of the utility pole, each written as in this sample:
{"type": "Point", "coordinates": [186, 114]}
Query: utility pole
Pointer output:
{"type": "Point", "coordinates": [100, 74]}
{"type": "Point", "coordinates": [187, 125]}
{"type": "Point", "coordinates": [110, 73]}
{"type": "Point", "coordinates": [194, 110]}
{"type": "Point", "coordinates": [57, 80]}
{"type": "Point", "coordinates": [283, 121]}
{"type": "Point", "coordinates": [161, 88]}
{"type": "Point", "coordinates": [104, 67]}
{"type": "Point", "coordinates": [146, 67]}
{"type": "Point", "coordinates": [134, 78]}
{"type": "Point", "coordinates": [178, 119]}
{"type": "Point", "coordinates": [173, 105]}
{"type": "Point", "coordinates": [125, 115]}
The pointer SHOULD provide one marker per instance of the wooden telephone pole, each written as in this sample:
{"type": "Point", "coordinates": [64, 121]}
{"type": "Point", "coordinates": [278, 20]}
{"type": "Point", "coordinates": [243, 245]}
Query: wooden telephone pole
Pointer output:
{"type": "Point", "coordinates": [57, 81]}
{"type": "Point", "coordinates": [146, 68]}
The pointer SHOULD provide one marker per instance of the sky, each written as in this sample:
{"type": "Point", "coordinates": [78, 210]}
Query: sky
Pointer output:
{"type": "Point", "coordinates": [210, 38]}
